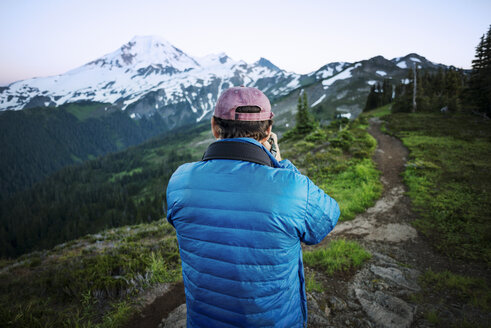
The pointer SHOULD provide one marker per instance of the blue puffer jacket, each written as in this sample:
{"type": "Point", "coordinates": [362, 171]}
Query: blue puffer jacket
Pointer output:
{"type": "Point", "coordinates": [239, 226]}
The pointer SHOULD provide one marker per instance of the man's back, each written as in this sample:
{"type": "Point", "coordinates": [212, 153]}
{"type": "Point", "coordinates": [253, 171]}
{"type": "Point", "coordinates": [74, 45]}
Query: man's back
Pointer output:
{"type": "Point", "coordinates": [239, 227]}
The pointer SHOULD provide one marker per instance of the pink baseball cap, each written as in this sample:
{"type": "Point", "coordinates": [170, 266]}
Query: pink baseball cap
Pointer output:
{"type": "Point", "coordinates": [235, 97]}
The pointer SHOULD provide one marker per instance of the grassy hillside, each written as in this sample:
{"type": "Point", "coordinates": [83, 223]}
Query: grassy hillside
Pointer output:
{"type": "Point", "coordinates": [448, 176]}
{"type": "Point", "coordinates": [99, 280]}
{"type": "Point", "coordinates": [95, 281]}
{"type": "Point", "coordinates": [119, 189]}
{"type": "Point", "coordinates": [338, 159]}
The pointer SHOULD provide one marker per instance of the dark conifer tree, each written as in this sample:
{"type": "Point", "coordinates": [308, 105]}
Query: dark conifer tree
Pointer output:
{"type": "Point", "coordinates": [478, 95]}
{"type": "Point", "coordinates": [305, 121]}
{"type": "Point", "coordinates": [371, 99]}
{"type": "Point", "coordinates": [386, 92]}
{"type": "Point", "coordinates": [379, 95]}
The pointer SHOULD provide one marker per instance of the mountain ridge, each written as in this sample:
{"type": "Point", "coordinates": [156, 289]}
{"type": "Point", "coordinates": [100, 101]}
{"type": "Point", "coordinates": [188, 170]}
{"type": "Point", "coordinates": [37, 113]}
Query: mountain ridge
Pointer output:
{"type": "Point", "coordinates": [145, 66]}
{"type": "Point", "coordinates": [148, 76]}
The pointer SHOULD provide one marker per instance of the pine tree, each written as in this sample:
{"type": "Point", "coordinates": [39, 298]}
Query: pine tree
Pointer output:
{"type": "Point", "coordinates": [305, 121]}
{"type": "Point", "coordinates": [478, 95]}
{"type": "Point", "coordinates": [379, 95]}
{"type": "Point", "coordinates": [386, 92]}
{"type": "Point", "coordinates": [371, 99]}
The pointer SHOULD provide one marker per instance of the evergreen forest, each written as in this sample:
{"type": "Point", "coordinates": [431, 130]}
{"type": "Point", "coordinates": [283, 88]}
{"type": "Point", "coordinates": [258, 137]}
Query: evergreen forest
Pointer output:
{"type": "Point", "coordinates": [119, 189]}
{"type": "Point", "coordinates": [40, 141]}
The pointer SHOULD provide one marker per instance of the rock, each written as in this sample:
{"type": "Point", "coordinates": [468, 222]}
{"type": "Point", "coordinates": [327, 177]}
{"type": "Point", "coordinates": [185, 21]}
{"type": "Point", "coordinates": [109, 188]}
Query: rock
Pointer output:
{"type": "Point", "coordinates": [379, 257]}
{"type": "Point", "coordinates": [316, 320]}
{"type": "Point", "coordinates": [336, 303]}
{"type": "Point", "coordinates": [312, 304]}
{"type": "Point", "coordinates": [353, 305]}
{"type": "Point", "coordinates": [327, 310]}
{"type": "Point", "coordinates": [176, 319]}
{"type": "Point", "coordinates": [385, 310]}
{"type": "Point", "coordinates": [396, 276]}
{"type": "Point", "coordinates": [366, 323]}
{"type": "Point", "coordinates": [360, 323]}
{"type": "Point", "coordinates": [315, 316]}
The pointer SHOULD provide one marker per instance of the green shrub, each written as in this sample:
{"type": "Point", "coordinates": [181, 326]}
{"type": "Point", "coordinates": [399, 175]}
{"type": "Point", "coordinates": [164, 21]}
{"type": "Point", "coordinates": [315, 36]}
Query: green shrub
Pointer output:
{"type": "Point", "coordinates": [312, 285]}
{"type": "Point", "coordinates": [340, 255]}
{"type": "Point", "coordinates": [342, 167]}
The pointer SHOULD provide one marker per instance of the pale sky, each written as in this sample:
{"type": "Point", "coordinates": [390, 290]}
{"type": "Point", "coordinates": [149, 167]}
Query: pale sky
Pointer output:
{"type": "Point", "coordinates": [49, 37]}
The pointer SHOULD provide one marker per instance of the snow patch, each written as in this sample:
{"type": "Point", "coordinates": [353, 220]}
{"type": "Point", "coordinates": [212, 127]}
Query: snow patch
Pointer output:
{"type": "Point", "coordinates": [326, 73]}
{"type": "Point", "coordinates": [381, 73]}
{"type": "Point", "coordinates": [371, 82]}
{"type": "Point", "coordinates": [415, 59]}
{"type": "Point", "coordinates": [293, 83]}
{"type": "Point", "coordinates": [346, 74]}
{"type": "Point", "coordinates": [402, 64]}
{"type": "Point", "coordinates": [405, 81]}
{"type": "Point", "coordinates": [206, 111]}
{"type": "Point", "coordinates": [318, 101]}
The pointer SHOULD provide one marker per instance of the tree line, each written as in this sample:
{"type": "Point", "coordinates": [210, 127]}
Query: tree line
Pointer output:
{"type": "Point", "coordinates": [445, 90]}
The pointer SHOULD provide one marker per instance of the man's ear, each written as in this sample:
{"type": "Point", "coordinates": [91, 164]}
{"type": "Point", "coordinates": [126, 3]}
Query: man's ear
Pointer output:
{"type": "Point", "coordinates": [268, 131]}
{"type": "Point", "coordinates": [214, 128]}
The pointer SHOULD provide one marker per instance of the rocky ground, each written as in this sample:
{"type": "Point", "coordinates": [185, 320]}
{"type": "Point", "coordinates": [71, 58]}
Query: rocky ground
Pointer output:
{"type": "Point", "coordinates": [381, 293]}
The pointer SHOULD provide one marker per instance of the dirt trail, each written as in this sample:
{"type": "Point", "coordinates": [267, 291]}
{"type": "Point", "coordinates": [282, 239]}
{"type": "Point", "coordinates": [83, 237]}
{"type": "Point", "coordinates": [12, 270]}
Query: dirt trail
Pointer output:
{"type": "Point", "coordinates": [389, 219]}
{"type": "Point", "coordinates": [379, 294]}
{"type": "Point", "coordinates": [160, 302]}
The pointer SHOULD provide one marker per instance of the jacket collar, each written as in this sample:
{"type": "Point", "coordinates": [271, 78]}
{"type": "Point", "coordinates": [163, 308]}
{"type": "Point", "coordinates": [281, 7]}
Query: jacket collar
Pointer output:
{"type": "Point", "coordinates": [257, 143]}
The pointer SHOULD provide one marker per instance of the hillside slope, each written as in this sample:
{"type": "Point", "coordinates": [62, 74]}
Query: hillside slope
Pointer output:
{"type": "Point", "coordinates": [102, 276]}
{"type": "Point", "coordinates": [39, 141]}
{"type": "Point", "coordinates": [122, 188]}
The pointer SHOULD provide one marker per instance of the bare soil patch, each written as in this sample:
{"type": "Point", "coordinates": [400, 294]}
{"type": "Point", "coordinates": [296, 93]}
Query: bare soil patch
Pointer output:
{"type": "Point", "coordinates": [159, 307]}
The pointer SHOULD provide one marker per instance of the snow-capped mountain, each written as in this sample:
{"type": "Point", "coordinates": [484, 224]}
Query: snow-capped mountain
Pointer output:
{"type": "Point", "coordinates": [147, 76]}
{"type": "Point", "coordinates": [342, 88]}
{"type": "Point", "coordinates": [409, 61]}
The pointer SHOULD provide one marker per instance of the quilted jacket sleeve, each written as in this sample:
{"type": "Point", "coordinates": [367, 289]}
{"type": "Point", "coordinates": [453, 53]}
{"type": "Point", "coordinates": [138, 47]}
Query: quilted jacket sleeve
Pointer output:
{"type": "Point", "coordinates": [321, 215]}
{"type": "Point", "coordinates": [286, 164]}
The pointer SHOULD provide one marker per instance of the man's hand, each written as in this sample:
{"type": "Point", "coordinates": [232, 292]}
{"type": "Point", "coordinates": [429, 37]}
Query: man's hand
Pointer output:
{"type": "Point", "coordinates": [268, 145]}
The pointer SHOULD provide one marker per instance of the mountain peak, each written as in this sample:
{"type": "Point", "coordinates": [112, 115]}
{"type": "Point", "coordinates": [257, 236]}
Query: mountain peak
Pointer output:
{"type": "Point", "coordinates": [145, 51]}
{"type": "Point", "coordinates": [266, 63]}
{"type": "Point", "coordinates": [149, 39]}
{"type": "Point", "coordinates": [411, 59]}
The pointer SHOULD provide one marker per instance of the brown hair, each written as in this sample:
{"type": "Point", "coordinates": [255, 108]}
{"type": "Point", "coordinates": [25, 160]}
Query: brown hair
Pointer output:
{"type": "Point", "coordinates": [243, 129]}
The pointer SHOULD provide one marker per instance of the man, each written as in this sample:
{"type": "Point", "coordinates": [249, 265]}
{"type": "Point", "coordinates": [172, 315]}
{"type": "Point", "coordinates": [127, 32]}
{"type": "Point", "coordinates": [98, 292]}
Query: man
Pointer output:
{"type": "Point", "coordinates": [240, 215]}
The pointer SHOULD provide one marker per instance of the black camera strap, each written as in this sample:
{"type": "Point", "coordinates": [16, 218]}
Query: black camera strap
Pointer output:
{"type": "Point", "coordinates": [237, 150]}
